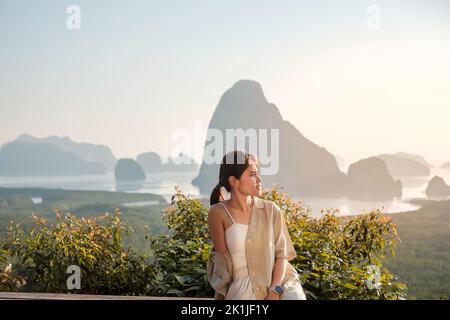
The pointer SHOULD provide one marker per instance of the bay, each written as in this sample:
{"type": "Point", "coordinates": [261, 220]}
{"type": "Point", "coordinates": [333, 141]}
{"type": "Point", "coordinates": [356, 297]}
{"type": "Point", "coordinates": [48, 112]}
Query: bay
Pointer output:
{"type": "Point", "coordinates": [164, 184]}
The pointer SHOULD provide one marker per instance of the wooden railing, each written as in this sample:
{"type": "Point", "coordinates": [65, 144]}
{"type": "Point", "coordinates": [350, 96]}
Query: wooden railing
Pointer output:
{"type": "Point", "coordinates": [65, 296]}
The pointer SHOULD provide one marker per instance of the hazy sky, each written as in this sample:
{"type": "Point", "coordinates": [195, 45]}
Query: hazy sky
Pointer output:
{"type": "Point", "coordinates": [138, 70]}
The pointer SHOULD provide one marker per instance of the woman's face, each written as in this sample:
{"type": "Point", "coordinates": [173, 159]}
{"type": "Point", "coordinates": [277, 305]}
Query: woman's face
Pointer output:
{"type": "Point", "coordinates": [250, 181]}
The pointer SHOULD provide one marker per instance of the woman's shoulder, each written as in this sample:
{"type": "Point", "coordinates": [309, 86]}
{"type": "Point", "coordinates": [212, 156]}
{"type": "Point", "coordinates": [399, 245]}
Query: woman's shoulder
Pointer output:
{"type": "Point", "coordinates": [219, 206]}
{"type": "Point", "coordinates": [216, 211]}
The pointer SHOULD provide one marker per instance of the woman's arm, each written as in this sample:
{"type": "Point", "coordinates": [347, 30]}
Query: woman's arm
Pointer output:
{"type": "Point", "coordinates": [279, 271]}
{"type": "Point", "coordinates": [217, 233]}
{"type": "Point", "coordinates": [216, 230]}
{"type": "Point", "coordinates": [284, 250]}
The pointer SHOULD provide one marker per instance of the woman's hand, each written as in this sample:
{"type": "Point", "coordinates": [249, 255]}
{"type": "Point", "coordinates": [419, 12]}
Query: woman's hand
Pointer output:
{"type": "Point", "coordinates": [218, 296]}
{"type": "Point", "coordinates": [272, 296]}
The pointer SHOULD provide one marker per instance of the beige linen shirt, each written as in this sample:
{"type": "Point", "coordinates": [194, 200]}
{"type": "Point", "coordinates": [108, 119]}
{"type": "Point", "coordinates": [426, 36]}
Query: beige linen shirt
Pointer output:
{"type": "Point", "coordinates": [267, 238]}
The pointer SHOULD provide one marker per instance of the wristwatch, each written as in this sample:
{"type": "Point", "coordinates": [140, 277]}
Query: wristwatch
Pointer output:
{"type": "Point", "coordinates": [277, 289]}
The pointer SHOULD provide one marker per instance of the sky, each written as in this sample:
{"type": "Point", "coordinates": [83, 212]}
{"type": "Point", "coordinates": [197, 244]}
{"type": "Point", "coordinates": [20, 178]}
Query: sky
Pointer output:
{"type": "Point", "coordinates": [359, 79]}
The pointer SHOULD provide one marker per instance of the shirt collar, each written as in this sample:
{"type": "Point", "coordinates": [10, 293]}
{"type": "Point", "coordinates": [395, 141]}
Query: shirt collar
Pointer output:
{"type": "Point", "coordinates": [259, 203]}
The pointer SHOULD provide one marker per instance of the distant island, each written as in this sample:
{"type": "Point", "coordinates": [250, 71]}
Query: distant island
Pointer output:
{"type": "Point", "coordinates": [180, 163]}
{"type": "Point", "coordinates": [43, 159]}
{"type": "Point", "coordinates": [400, 165]}
{"type": "Point", "coordinates": [128, 170]}
{"type": "Point", "coordinates": [445, 165]}
{"type": "Point", "coordinates": [87, 151]}
{"type": "Point", "coordinates": [60, 156]}
{"type": "Point", "coordinates": [151, 163]}
{"type": "Point", "coordinates": [370, 180]}
{"type": "Point", "coordinates": [414, 157]}
{"type": "Point", "coordinates": [305, 168]}
{"type": "Point", "coordinates": [437, 188]}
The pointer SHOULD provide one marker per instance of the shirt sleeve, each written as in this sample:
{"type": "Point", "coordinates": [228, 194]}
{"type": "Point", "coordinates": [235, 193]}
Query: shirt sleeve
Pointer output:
{"type": "Point", "coordinates": [283, 243]}
{"type": "Point", "coordinates": [219, 269]}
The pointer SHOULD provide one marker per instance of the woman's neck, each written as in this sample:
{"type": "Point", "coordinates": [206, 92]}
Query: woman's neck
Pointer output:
{"type": "Point", "coordinates": [241, 202]}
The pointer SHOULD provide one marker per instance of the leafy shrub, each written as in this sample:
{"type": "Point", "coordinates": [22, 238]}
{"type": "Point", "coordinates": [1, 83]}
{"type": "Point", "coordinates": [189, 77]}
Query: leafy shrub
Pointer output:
{"type": "Point", "coordinates": [341, 257]}
{"type": "Point", "coordinates": [8, 281]}
{"type": "Point", "coordinates": [93, 244]}
{"type": "Point", "coordinates": [180, 256]}
{"type": "Point", "coordinates": [337, 257]}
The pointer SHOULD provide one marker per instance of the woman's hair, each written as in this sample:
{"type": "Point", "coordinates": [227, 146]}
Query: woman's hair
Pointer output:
{"type": "Point", "coordinates": [234, 164]}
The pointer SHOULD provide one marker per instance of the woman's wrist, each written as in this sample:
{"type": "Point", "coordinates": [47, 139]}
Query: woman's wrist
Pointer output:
{"type": "Point", "coordinates": [218, 296]}
{"type": "Point", "coordinates": [272, 296]}
{"type": "Point", "coordinates": [276, 288]}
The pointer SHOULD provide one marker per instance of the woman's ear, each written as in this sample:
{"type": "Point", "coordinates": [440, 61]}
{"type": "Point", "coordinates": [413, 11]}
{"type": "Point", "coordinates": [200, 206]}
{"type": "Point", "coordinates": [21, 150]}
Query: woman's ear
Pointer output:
{"type": "Point", "coordinates": [233, 181]}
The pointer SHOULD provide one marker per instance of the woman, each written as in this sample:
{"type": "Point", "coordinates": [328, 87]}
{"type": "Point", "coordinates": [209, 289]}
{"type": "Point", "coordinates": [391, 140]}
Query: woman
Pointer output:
{"type": "Point", "coordinates": [251, 243]}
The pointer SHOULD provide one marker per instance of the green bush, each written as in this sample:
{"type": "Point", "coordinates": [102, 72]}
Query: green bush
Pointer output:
{"type": "Point", "coordinates": [8, 281]}
{"type": "Point", "coordinates": [180, 256]}
{"type": "Point", "coordinates": [337, 256]}
{"type": "Point", "coordinates": [341, 257]}
{"type": "Point", "coordinates": [93, 244]}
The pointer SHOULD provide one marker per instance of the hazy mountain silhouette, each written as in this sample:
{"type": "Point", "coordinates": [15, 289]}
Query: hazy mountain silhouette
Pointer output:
{"type": "Point", "coordinates": [31, 159]}
{"type": "Point", "coordinates": [86, 151]}
{"type": "Point", "coordinates": [445, 165]}
{"type": "Point", "coordinates": [437, 188]}
{"type": "Point", "coordinates": [369, 179]}
{"type": "Point", "coordinates": [414, 157]}
{"type": "Point", "coordinates": [150, 162]}
{"type": "Point", "coordinates": [181, 163]}
{"type": "Point", "coordinates": [128, 170]}
{"type": "Point", "coordinates": [404, 166]}
{"type": "Point", "coordinates": [304, 167]}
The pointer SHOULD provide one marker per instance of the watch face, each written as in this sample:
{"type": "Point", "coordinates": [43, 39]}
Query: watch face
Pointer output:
{"type": "Point", "coordinates": [279, 289]}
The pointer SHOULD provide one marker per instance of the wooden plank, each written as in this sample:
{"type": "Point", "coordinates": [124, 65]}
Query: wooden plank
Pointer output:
{"type": "Point", "coordinates": [70, 296]}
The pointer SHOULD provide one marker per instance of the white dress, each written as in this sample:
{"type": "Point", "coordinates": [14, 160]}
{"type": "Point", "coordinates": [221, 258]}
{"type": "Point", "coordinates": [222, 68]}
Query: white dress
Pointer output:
{"type": "Point", "coordinates": [241, 287]}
